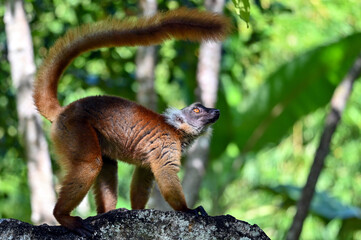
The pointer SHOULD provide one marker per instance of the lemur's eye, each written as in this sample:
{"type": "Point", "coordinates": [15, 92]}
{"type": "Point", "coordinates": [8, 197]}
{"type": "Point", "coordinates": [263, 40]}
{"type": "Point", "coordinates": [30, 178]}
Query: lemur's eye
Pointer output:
{"type": "Point", "coordinates": [196, 110]}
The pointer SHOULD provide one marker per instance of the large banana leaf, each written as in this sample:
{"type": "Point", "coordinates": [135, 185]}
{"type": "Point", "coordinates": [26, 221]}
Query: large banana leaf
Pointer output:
{"type": "Point", "coordinates": [294, 90]}
{"type": "Point", "coordinates": [323, 205]}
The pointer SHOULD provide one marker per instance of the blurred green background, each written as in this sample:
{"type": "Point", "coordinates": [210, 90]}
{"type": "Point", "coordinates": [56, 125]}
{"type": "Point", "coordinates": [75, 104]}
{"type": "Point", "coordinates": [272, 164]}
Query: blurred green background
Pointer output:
{"type": "Point", "coordinates": [292, 55]}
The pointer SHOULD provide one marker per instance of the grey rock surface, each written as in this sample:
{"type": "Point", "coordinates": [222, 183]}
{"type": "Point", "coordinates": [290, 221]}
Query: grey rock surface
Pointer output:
{"type": "Point", "coordinates": [140, 224]}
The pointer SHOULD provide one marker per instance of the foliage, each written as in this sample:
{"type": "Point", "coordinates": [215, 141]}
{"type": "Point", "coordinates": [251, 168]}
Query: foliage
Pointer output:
{"type": "Point", "coordinates": [242, 9]}
{"type": "Point", "coordinates": [287, 44]}
{"type": "Point", "coordinates": [322, 204]}
{"type": "Point", "coordinates": [294, 91]}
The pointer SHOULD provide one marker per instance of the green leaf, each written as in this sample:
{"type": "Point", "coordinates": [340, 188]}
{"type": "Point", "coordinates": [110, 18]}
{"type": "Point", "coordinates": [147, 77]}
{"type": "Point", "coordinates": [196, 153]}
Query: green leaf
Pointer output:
{"type": "Point", "coordinates": [243, 9]}
{"type": "Point", "coordinates": [348, 228]}
{"type": "Point", "coordinates": [294, 90]}
{"type": "Point", "coordinates": [322, 204]}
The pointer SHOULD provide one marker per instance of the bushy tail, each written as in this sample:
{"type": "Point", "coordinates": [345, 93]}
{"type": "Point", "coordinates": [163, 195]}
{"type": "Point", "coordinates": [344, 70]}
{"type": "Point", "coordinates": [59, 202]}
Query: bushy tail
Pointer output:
{"type": "Point", "coordinates": [182, 24]}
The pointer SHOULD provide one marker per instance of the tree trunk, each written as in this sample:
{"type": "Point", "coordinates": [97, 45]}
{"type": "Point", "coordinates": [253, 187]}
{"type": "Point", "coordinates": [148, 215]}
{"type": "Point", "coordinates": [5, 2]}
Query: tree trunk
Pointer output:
{"type": "Point", "coordinates": [338, 103]}
{"type": "Point", "coordinates": [207, 78]}
{"type": "Point", "coordinates": [145, 61]}
{"type": "Point", "coordinates": [21, 58]}
{"type": "Point", "coordinates": [146, 95]}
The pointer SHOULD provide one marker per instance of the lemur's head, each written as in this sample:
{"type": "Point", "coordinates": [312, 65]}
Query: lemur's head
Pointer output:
{"type": "Point", "coordinates": [191, 121]}
{"type": "Point", "coordinates": [199, 117]}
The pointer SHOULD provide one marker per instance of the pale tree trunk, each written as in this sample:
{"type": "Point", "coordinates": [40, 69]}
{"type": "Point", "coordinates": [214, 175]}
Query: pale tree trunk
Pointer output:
{"type": "Point", "coordinates": [146, 95]}
{"type": "Point", "coordinates": [338, 104]}
{"type": "Point", "coordinates": [207, 78]}
{"type": "Point", "coordinates": [145, 62]}
{"type": "Point", "coordinates": [21, 58]}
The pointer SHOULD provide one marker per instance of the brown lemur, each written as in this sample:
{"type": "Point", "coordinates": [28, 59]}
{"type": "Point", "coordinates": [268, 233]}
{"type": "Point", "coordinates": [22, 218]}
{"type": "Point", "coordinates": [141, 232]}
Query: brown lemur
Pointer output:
{"type": "Point", "coordinates": [90, 133]}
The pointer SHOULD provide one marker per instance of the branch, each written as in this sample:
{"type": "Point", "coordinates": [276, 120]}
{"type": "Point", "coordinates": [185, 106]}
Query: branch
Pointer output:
{"type": "Point", "coordinates": [141, 224]}
{"type": "Point", "coordinates": [338, 103]}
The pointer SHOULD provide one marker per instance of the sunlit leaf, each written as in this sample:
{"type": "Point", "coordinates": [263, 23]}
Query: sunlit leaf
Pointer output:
{"type": "Point", "coordinates": [243, 9]}
{"type": "Point", "coordinates": [294, 90]}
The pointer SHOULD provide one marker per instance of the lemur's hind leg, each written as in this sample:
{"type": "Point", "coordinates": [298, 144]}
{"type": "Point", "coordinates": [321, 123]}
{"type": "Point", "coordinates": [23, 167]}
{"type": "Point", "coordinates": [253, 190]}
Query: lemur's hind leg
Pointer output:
{"type": "Point", "coordinates": [77, 145]}
{"type": "Point", "coordinates": [105, 186]}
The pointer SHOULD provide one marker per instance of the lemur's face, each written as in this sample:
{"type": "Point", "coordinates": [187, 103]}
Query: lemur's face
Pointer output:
{"type": "Point", "coordinates": [199, 117]}
{"type": "Point", "coordinates": [191, 121]}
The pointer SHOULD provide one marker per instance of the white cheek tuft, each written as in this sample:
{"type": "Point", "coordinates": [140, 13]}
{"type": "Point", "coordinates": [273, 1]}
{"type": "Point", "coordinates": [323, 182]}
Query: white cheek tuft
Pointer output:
{"type": "Point", "coordinates": [174, 117]}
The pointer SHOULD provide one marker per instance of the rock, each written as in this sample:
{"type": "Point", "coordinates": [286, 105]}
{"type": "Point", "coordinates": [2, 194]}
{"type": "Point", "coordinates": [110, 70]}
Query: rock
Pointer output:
{"type": "Point", "coordinates": [141, 224]}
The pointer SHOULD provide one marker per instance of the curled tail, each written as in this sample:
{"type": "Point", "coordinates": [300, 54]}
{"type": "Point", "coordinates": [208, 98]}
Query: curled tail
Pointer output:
{"type": "Point", "coordinates": [182, 24]}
